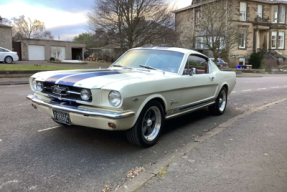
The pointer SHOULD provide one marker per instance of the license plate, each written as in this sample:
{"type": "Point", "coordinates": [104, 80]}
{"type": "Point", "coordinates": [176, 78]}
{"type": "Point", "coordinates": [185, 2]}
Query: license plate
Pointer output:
{"type": "Point", "coordinates": [62, 117]}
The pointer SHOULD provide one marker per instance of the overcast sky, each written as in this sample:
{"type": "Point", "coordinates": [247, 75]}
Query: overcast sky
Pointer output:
{"type": "Point", "coordinates": [64, 18]}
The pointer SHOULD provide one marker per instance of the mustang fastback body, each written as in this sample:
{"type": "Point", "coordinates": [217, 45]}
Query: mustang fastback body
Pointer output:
{"type": "Point", "coordinates": [141, 89]}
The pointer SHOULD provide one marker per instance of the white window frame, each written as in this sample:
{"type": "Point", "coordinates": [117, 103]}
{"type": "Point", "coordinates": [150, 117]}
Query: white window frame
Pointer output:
{"type": "Point", "coordinates": [274, 34]}
{"type": "Point", "coordinates": [281, 41]}
{"type": "Point", "coordinates": [242, 39]}
{"type": "Point", "coordinates": [260, 11]}
{"type": "Point", "coordinates": [198, 43]}
{"type": "Point", "coordinates": [243, 10]}
{"type": "Point", "coordinates": [282, 14]}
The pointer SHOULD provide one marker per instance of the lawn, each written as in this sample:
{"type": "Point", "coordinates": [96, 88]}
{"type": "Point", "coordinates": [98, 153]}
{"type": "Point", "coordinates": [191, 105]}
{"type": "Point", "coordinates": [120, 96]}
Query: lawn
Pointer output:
{"type": "Point", "coordinates": [35, 68]}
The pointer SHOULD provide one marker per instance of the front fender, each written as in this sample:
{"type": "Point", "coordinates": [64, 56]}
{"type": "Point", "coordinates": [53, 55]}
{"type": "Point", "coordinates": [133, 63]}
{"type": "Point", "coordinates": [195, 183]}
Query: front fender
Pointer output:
{"type": "Point", "coordinates": [144, 101]}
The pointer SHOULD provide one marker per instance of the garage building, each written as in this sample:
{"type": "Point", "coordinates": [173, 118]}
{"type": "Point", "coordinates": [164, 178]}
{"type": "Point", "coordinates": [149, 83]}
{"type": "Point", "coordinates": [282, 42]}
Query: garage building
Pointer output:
{"type": "Point", "coordinates": [39, 50]}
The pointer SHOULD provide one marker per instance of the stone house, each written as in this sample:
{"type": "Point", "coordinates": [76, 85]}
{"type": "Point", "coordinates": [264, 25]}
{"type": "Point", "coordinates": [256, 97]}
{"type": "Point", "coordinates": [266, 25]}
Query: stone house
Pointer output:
{"type": "Point", "coordinates": [262, 22]}
{"type": "Point", "coordinates": [5, 36]}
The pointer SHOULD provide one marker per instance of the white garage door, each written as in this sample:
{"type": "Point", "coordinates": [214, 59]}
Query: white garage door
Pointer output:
{"type": "Point", "coordinates": [58, 53]}
{"type": "Point", "coordinates": [36, 52]}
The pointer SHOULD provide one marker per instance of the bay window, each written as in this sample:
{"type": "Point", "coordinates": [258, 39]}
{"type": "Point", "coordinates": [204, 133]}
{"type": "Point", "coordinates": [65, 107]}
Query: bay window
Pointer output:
{"type": "Point", "coordinates": [242, 40]}
{"type": "Point", "coordinates": [281, 40]}
{"type": "Point", "coordinates": [282, 11]}
{"type": "Point", "coordinates": [243, 8]}
{"type": "Point", "coordinates": [274, 13]}
{"type": "Point", "coordinates": [274, 40]}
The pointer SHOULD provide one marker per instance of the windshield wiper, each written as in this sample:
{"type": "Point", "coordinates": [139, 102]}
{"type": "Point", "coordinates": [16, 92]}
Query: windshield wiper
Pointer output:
{"type": "Point", "coordinates": [118, 66]}
{"type": "Point", "coordinates": [148, 67]}
{"type": "Point", "coordinates": [122, 66]}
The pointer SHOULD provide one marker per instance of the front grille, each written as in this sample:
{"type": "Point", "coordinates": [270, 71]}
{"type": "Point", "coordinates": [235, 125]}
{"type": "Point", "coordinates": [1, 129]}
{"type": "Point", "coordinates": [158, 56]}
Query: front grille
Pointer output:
{"type": "Point", "coordinates": [69, 92]}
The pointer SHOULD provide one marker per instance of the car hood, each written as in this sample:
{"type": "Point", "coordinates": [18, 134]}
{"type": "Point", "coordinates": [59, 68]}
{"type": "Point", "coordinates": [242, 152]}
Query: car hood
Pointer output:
{"type": "Point", "coordinates": [94, 78]}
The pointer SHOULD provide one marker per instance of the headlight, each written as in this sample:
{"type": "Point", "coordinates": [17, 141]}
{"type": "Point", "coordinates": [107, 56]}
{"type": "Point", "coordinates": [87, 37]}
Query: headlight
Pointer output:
{"type": "Point", "coordinates": [39, 86]}
{"type": "Point", "coordinates": [115, 98]}
{"type": "Point", "coordinates": [85, 94]}
{"type": "Point", "coordinates": [34, 84]}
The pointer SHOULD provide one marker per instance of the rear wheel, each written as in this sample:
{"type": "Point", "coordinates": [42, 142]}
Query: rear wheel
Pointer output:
{"type": "Point", "coordinates": [147, 129]}
{"type": "Point", "coordinates": [8, 60]}
{"type": "Point", "coordinates": [218, 108]}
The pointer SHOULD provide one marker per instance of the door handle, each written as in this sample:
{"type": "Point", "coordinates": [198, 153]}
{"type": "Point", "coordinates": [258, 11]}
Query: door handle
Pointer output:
{"type": "Point", "coordinates": [211, 78]}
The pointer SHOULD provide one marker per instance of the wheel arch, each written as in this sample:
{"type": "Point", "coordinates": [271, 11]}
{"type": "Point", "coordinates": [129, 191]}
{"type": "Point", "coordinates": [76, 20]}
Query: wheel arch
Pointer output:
{"type": "Point", "coordinates": [157, 97]}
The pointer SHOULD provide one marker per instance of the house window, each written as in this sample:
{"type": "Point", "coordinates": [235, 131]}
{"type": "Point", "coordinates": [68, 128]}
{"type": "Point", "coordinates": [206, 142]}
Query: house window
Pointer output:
{"type": "Point", "coordinates": [274, 13]}
{"type": "Point", "coordinates": [260, 12]}
{"type": "Point", "coordinates": [282, 10]}
{"type": "Point", "coordinates": [242, 40]}
{"type": "Point", "coordinates": [197, 16]}
{"type": "Point", "coordinates": [243, 8]}
{"type": "Point", "coordinates": [274, 40]}
{"type": "Point", "coordinates": [281, 40]}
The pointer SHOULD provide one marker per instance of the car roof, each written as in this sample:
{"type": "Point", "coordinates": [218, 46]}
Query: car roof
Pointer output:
{"type": "Point", "coordinates": [176, 49]}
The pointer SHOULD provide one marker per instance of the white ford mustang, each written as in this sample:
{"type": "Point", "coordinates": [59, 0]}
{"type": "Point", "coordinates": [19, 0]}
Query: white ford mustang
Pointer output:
{"type": "Point", "coordinates": [137, 93]}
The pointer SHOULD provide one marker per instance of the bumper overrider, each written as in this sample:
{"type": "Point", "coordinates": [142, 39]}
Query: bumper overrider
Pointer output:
{"type": "Point", "coordinates": [86, 116]}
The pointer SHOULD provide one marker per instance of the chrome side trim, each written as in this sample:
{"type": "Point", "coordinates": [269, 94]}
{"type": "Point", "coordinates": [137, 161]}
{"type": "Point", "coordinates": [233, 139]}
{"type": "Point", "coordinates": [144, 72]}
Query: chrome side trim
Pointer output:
{"type": "Point", "coordinates": [188, 111]}
{"type": "Point", "coordinates": [82, 111]}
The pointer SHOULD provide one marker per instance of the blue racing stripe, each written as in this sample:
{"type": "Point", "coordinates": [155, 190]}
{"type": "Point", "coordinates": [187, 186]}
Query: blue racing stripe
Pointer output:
{"type": "Point", "coordinates": [55, 78]}
{"type": "Point", "coordinates": [70, 81]}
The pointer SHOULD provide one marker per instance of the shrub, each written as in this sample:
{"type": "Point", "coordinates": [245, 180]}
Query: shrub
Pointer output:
{"type": "Point", "coordinates": [52, 58]}
{"type": "Point", "coordinates": [256, 60]}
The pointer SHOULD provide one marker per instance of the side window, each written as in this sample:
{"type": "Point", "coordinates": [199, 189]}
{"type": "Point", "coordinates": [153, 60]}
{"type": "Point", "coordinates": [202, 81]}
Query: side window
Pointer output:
{"type": "Point", "coordinates": [2, 50]}
{"type": "Point", "coordinates": [198, 63]}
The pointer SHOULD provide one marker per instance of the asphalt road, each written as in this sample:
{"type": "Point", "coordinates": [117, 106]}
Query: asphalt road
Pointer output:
{"type": "Point", "coordinates": [35, 155]}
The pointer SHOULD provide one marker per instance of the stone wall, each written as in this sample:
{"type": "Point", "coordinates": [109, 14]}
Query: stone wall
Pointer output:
{"type": "Point", "coordinates": [6, 37]}
{"type": "Point", "coordinates": [185, 29]}
{"type": "Point", "coordinates": [48, 44]}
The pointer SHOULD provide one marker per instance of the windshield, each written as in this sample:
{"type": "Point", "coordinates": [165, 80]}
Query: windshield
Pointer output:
{"type": "Point", "coordinates": [168, 61]}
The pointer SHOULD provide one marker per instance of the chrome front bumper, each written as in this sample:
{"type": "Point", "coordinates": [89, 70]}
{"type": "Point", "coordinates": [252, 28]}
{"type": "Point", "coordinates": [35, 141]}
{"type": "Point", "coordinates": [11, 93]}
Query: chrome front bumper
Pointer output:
{"type": "Point", "coordinates": [82, 111]}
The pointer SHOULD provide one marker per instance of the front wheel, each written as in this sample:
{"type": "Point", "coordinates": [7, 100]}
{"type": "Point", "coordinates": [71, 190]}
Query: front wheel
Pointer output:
{"type": "Point", "coordinates": [218, 108]}
{"type": "Point", "coordinates": [147, 129]}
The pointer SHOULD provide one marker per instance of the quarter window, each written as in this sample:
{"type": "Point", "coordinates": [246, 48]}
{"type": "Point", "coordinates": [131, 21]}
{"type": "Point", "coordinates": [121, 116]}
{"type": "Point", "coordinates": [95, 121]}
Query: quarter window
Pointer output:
{"type": "Point", "coordinates": [243, 8]}
{"type": "Point", "coordinates": [274, 40]}
{"type": "Point", "coordinates": [281, 40]}
{"type": "Point", "coordinates": [196, 63]}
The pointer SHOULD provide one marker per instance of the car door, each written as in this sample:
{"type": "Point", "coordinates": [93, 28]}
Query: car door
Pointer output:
{"type": "Point", "coordinates": [2, 54]}
{"type": "Point", "coordinates": [200, 86]}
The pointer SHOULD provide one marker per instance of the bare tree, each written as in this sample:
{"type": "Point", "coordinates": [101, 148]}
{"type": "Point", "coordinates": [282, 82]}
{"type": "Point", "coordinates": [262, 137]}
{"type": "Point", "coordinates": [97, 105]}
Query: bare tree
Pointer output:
{"type": "Point", "coordinates": [220, 34]}
{"type": "Point", "coordinates": [6, 21]}
{"type": "Point", "coordinates": [214, 29]}
{"type": "Point", "coordinates": [133, 22]}
{"type": "Point", "coordinates": [26, 28]}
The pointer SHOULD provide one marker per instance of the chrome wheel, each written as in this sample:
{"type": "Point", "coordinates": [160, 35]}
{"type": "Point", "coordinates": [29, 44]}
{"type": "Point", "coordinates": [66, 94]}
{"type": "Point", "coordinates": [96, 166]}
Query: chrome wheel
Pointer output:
{"type": "Point", "coordinates": [222, 100]}
{"type": "Point", "coordinates": [151, 123]}
{"type": "Point", "coordinates": [8, 60]}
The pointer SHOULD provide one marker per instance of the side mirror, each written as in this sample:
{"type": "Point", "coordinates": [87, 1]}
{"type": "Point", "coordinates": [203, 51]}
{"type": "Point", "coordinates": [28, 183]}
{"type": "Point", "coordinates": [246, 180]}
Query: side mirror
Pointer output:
{"type": "Point", "coordinates": [192, 71]}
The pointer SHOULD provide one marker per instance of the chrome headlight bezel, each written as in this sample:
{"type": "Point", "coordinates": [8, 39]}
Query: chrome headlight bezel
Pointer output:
{"type": "Point", "coordinates": [39, 86]}
{"type": "Point", "coordinates": [34, 84]}
{"type": "Point", "coordinates": [85, 95]}
{"type": "Point", "coordinates": [115, 98]}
